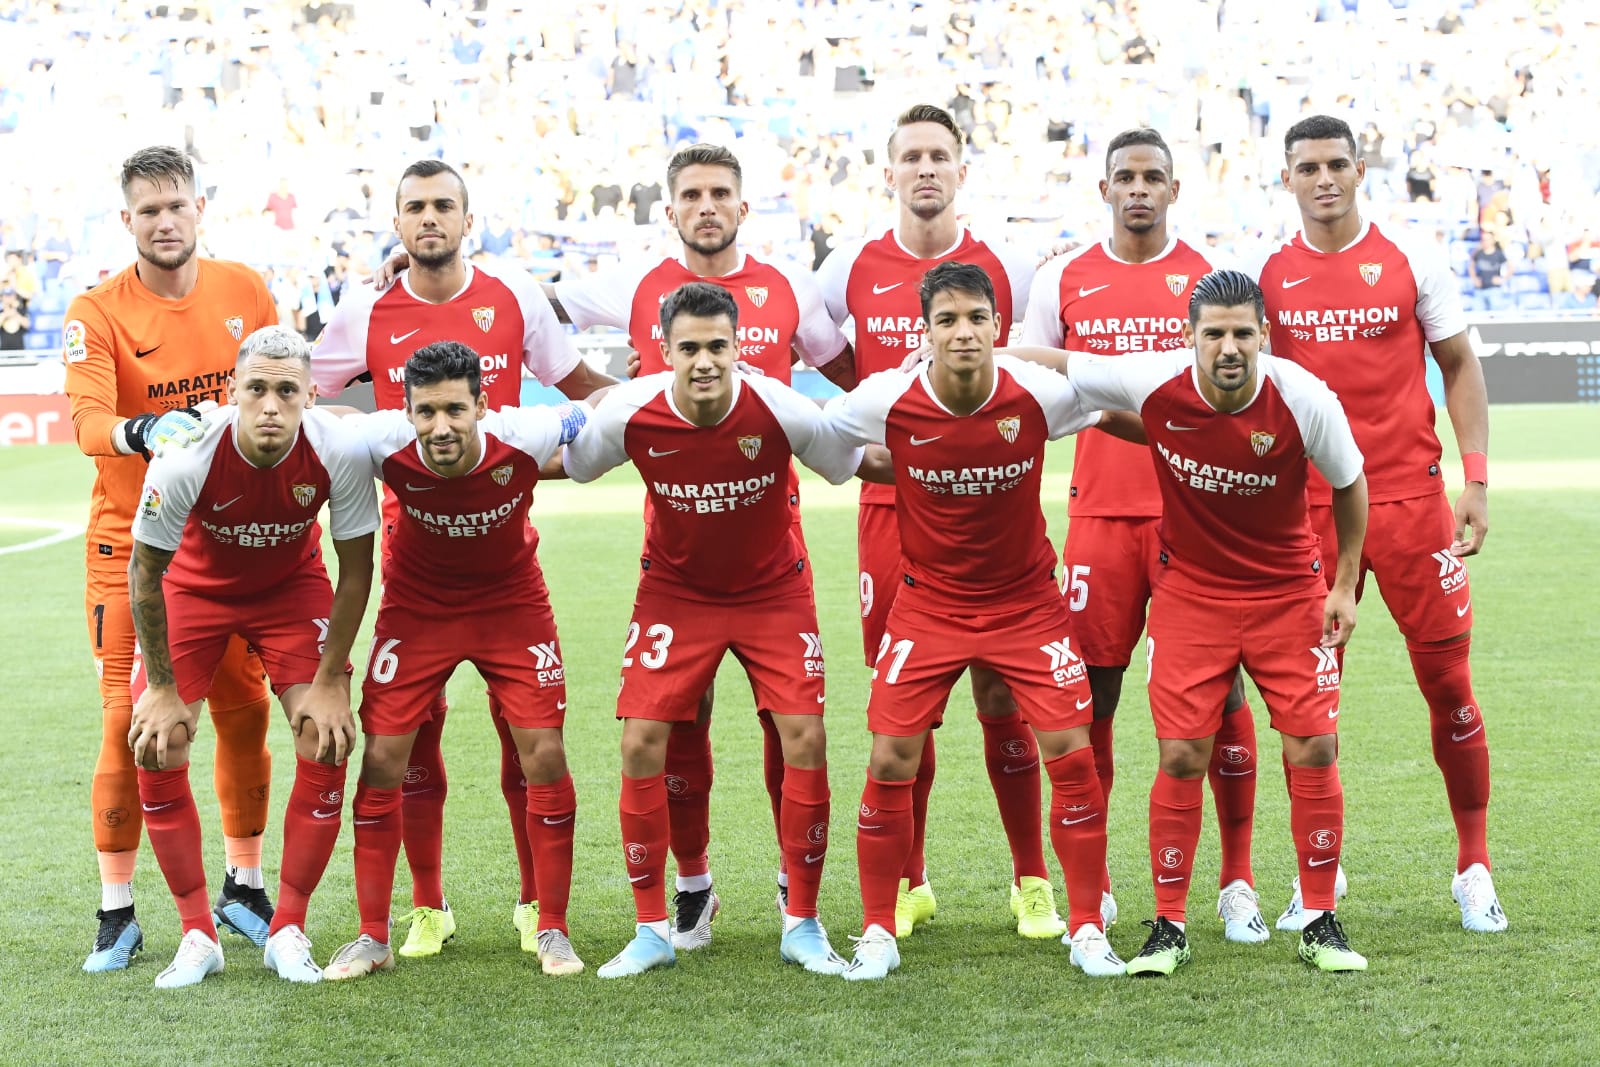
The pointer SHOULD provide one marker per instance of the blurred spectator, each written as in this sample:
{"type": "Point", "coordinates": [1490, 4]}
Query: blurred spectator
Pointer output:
{"type": "Point", "coordinates": [13, 323]}
{"type": "Point", "coordinates": [19, 279]}
{"type": "Point", "coordinates": [1489, 264]}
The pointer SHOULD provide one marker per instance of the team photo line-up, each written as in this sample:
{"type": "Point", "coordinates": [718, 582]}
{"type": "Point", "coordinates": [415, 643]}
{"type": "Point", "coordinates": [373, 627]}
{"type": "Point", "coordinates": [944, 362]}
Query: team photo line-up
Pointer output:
{"type": "Point", "coordinates": [1228, 499]}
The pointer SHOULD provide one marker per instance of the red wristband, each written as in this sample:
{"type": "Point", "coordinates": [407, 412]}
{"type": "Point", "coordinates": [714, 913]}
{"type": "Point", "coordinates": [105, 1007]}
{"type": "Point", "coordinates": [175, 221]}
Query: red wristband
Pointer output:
{"type": "Point", "coordinates": [1475, 465]}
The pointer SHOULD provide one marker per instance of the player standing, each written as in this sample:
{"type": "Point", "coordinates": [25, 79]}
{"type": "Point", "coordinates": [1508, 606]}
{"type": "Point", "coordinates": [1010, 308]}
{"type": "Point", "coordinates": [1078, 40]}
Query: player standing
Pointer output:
{"type": "Point", "coordinates": [1234, 433]}
{"type": "Point", "coordinates": [724, 570]}
{"type": "Point", "coordinates": [966, 435]}
{"type": "Point", "coordinates": [465, 587]}
{"type": "Point", "coordinates": [875, 282]}
{"type": "Point", "coordinates": [780, 316]}
{"type": "Point", "coordinates": [1126, 295]}
{"type": "Point", "coordinates": [226, 543]}
{"type": "Point", "coordinates": [502, 311]}
{"type": "Point", "coordinates": [1358, 309]}
{"type": "Point", "coordinates": [142, 351]}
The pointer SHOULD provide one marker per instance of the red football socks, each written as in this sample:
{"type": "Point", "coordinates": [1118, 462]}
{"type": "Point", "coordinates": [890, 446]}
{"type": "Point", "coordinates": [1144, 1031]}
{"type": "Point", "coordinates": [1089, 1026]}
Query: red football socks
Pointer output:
{"type": "Point", "coordinates": [379, 826]}
{"type": "Point", "coordinates": [688, 781]}
{"type": "Point", "coordinates": [310, 830]}
{"type": "Point", "coordinates": [514, 788]}
{"type": "Point", "coordinates": [1011, 756]}
{"type": "Point", "coordinates": [1233, 787]}
{"type": "Point", "coordinates": [173, 824]}
{"type": "Point", "coordinates": [551, 815]}
{"type": "Point", "coordinates": [915, 869]}
{"type": "Point", "coordinates": [1316, 818]}
{"type": "Point", "coordinates": [803, 835]}
{"type": "Point", "coordinates": [1078, 833]}
{"type": "Point", "coordinates": [883, 837]}
{"type": "Point", "coordinates": [1444, 674]}
{"type": "Point", "coordinates": [643, 809]}
{"type": "Point", "coordinates": [1175, 812]}
{"type": "Point", "coordinates": [423, 792]}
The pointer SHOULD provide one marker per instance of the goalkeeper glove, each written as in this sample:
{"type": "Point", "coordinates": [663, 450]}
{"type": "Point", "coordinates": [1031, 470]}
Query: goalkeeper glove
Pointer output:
{"type": "Point", "coordinates": [149, 434]}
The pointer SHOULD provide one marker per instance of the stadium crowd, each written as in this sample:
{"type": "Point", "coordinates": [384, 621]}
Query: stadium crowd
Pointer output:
{"type": "Point", "coordinates": [299, 116]}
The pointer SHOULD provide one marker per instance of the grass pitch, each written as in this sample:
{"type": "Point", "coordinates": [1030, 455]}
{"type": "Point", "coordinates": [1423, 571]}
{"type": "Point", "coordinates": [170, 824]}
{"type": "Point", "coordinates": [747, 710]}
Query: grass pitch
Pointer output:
{"type": "Point", "coordinates": [969, 989]}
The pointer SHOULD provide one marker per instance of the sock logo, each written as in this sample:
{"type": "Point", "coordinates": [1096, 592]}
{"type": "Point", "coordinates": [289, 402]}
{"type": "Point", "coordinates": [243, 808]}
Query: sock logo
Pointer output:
{"type": "Point", "coordinates": [1323, 840]}
{"type": "Point", "coordinates": [1016, 748]}
{"type": "Point", "coordinates": [415, 774]}
{"type": "Point", "coordinates": [637, 854]}
{"type": "Point", "coordinates": [867, 813]}
{"type": "Point", "coordinates": [332, 796]}
{"type": "Point", "coordinates": [1234, 754]}
{"type": "Point", "coordinates": [818, 833]}
{"type": "Point", "coordinates": [675, 785]}
{"type": "Point", "coordinates": [1170, 858]}
{"type": "Point", "coordinates": [1464, 714]}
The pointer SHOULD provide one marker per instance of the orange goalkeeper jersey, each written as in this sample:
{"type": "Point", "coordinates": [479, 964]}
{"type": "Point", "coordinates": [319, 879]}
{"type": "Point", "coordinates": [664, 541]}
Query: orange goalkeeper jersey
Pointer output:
{"type": "Point", "coordinates": [129, 351]}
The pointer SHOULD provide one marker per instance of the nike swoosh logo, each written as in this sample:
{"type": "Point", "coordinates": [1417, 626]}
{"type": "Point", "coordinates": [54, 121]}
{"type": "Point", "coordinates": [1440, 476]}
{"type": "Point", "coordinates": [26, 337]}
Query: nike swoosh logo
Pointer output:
{"type": "Point", "coordinates": [1090, 292]}
{"type": "Point", "coordinates": [1453, 737]}
{"type": "Point", "coordinates": [821, 697]}
{"type": "Point", "coordinates": [140, 353]}
{"type": "Point", "coordinates": [668, 452]}
{"type": "Point", "coordinates": [1333, 713]}
{"type": "Point", "coordinates": [396, 338]}
{"type": "Point", "coordinates": [368, 822]}
{"type": "Point", "coordinates": [1322, 862]}
{"type": "Point", "coordinates": [1287, 284]}
{"type": "Point", "coordinates": [637, 878]}
{"type": "Point", "coordinates": [814, 859]}
{"type": "Point", "coordinates": [1170, 426]}
{"type": "Point", "coordinates": [1168, 881]}
{"type": "Point", "coordinates": [1074, 822]}
{"type": "Point", "coordinates": [325, 814]}
{"type": "Point", "coordinates": [1009, 769]}
{"type": "Point", "coordinates": [230, 503]}
{"type": "Point", "coordinates": [864, 826]}
{"type": "Point", "coordinates": [419, 488]}
{"type": "Point", "coordinates": [1234, 774]}
{"type": "Point", "coordinates": [879, 290]}
{"type": "Point", "coordinates": [561, 705]}
{"type": "Point", "coordinates": [1081, 704]}
{"type": "Point", "coordinates": [548, 821]}
{"type": "Point", "coordinates": [168, 804]}
{"type": "Point", "coordinates": [924, 440]}
{"type": "Point", "coordinates": [1463, 609]}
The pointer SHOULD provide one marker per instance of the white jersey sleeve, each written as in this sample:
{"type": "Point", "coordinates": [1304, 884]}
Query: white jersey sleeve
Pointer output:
{"type": "Point", "coordinates": [604, 298]}
{"type": "Point", "coordinates": [833, 278]}
{"type": "Point", "coordinates": [340, 355]}
{"type": "Point", "coordinates": [547, 351]}
{"type": "Point", "coordinates": [1020, 270]}
{"type": "Point", "coordinates": [1253, 260]}
{"type": "Point", "coordinates": [382, 434]}
{"type": "Point", "coordinates": [802, 421]}
{"type": "Point", "coordinates": [1438, 296]}
{"type": "Point", "coordinates": [859, 416]}
{"type": "Point", "coordinates": [1324, 427]}
{"type": "Point", "coordinates": [173, 481]}
{"type": "Point", "coordinates": [818, 338]}
{"type": "Point", "coordinates": [1124, 384]}
{"type": "Point", "coordinates": [352, 495]}
{"type": "Point", "coordinates": [1063, 408]}
{"type": "Point", "coordinates": [599, 446]}
{"type": "Point", "coordinates": [1043, 324]}
{"type": "Point", "coordinates": [539, 430]}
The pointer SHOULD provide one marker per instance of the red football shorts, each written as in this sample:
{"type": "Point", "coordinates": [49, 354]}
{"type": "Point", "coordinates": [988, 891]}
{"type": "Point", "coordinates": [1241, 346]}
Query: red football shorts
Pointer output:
{"type": "Point", "coordinates": [674, 646]}
{"type": "Point", "coordinates": [1408, 550]}
{"type": "Point", "coordinates": [235, 683]}
{"type": "Point", "coordinates": [1197, 644]}
{"type": "Point", "coordinates": [1108, 569]}
{"type": "Point", "coordinates": [926, 646]}
{"type": "Point", "coordinates": [882, 571]}
{"type": "Point", "coordinates": [415, 650]}
{"type": "Point", "coordinates": [286, 629]}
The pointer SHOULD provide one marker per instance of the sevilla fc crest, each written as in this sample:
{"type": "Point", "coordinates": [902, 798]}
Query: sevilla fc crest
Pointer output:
{"type": "Point", "coordinates": [1371, 272]}
{"type": "Point", "coordinates": [1261, 441]}
{"type": "Point", "coordinates": [484, 317]}
{"type": "Point", "coordinates": [757, 294]}
{"type": "Point", "coordinates": [304, 494]}
{"type": "Point", "coordinates": [501, 474]}
{"type": "Point", "coordinates": [1009, 427]}
{"type": "Point", "coordinates": [750, 445]}
{"type": "Point", "coordinates": [1177, 283]}
{"type": "Point", "coordinates": [235, 327]}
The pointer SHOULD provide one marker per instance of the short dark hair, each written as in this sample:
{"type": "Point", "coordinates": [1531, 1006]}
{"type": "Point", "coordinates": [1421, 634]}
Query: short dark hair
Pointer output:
{"type": "Point", "coordinates": [702, 155]}
{"type": "Point", "coordinates": [1319, 128]}
{"type": "Point", "coordinates": [702, 300]}
{"type": "Point", "coordinates": [953, 276]}
{"type": "Point", "coordinates": [427, 168]}
{"type": "Point", "coordinates": [157, 164]}
{"type": "Point", "coordinates": [928, 113]}
{"type": "Point", "coordinates": [1226, 289]}
{"type": "Point", "coordinates": [443, 361]}
{"type": "Point", "coordinates": [1139, 135]}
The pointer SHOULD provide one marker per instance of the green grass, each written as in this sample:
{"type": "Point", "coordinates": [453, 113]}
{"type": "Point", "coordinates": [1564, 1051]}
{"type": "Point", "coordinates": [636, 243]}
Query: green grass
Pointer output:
{"type": "Point", "coordinates": [969, 989]}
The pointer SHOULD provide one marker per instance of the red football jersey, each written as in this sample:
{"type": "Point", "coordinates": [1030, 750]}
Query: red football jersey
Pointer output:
{"type": "Point", "coordinates": [780, 311]}
{"type": "Point", "coordinates": [1358, 319]}
{"type": "Point", "coordinates": [1090, 301]}
{"type": "Point", "coordinates": [971, 528]}
{"type": "Point", "coordinates": [1234, 519]}
{"type": "Point", "coordinates": [238, 529]}
{"type": "Point", "coordinates": [501, 314]}
{"type": "Point", "coordinates": [876, 284]}
{"type": "Point", "coordinates": [721, 524]}
{"type": "Point", "coordinates": [465, 541]}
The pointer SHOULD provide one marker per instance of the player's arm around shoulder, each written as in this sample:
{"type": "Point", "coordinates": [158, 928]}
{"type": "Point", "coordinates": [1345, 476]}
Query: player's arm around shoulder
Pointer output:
{"type": "Point", "coordinates": [599, 445]}
{"type": "Point", "coordinates": [860, 416]}
{"type": "Point", "coordinates": [1063, 407]}
{"type": "Point", "coordinates": [803, 422]}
